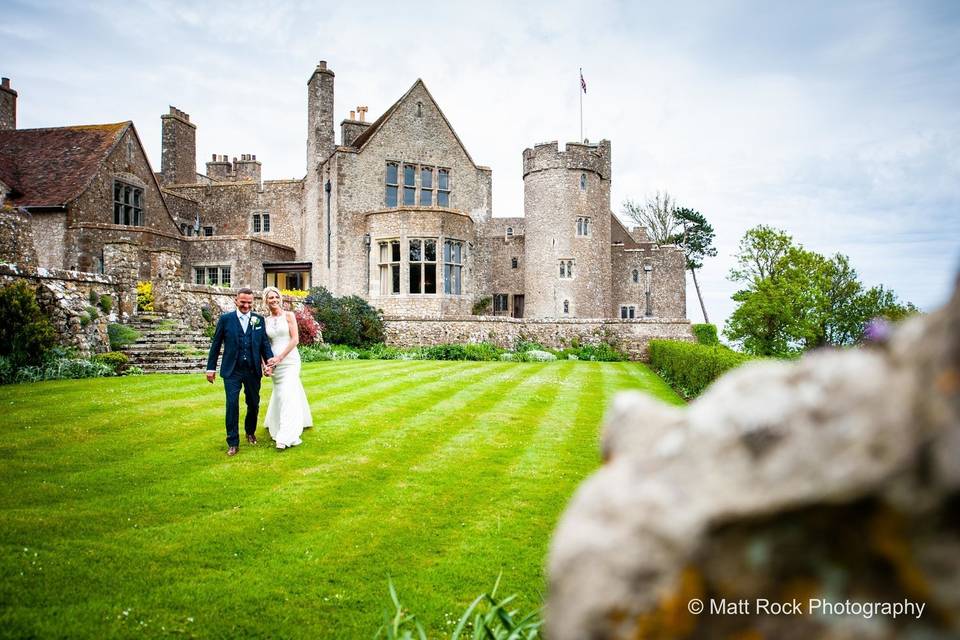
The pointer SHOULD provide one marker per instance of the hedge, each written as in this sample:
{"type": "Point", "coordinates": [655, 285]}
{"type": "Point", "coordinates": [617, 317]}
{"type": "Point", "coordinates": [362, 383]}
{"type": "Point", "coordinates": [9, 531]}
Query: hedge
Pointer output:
{"type": "Point", "coordinates": [706, 333]}
{"type": "Point", "coordinates": [689, 367]}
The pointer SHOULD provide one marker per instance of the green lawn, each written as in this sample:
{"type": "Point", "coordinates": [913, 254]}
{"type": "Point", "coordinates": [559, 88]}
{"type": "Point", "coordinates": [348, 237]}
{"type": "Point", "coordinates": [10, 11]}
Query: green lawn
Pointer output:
{"type": "Point", "coordinates": [120, 515]}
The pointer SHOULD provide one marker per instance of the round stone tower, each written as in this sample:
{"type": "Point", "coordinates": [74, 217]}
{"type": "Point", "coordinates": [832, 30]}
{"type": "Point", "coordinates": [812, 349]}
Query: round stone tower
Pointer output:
{"type": "Point", "coordinates": [566, 199]}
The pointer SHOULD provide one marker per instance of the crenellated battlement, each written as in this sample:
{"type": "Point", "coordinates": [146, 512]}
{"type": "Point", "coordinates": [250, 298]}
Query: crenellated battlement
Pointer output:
{"type": "Point", "coordinates": [578, 156]}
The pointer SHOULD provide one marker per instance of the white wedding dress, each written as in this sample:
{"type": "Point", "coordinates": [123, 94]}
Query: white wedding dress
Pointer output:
{"type": "Point", "coordinates": [288, 412]}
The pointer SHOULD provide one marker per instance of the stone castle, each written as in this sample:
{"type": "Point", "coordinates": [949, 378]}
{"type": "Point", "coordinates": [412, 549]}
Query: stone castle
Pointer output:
{"type": "Point", "coordinates": [397, 212]}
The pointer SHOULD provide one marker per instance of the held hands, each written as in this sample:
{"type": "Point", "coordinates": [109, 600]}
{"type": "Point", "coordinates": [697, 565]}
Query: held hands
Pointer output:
{"type": "Point", "coordinates": [274, 361]}
{"type": "Point", "coordinates": [267, 369]}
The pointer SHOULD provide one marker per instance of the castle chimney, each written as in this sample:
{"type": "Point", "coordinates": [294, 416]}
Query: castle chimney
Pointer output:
{"type": "Point", "coordinates": [320, 140]}
{"type": "Point", "coordinates": [178, 156]}
{"type": "Point", "coordinates": [353, 115]}
{"type": "Point", "coordinates": [363, 113]}
{"type": "Point", "coordinates": [219, 168]}
{"type": "Point", "coordinates": [8, 105]}
{"type": "Point", "coordinates": [247, 168]}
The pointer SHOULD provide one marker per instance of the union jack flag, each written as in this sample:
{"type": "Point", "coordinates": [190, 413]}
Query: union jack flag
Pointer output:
{"type": "Point", "coordinates": [583, 83]}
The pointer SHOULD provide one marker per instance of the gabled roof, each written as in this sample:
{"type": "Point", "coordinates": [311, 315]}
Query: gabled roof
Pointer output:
{"type": "Point", "coordinates": [365, 137]}
{"type": "Point", "coordinates": [51, 167]}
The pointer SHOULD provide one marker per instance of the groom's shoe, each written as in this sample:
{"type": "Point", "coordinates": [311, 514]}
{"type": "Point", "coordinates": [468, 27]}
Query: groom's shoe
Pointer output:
{"type": "Point", "coordinates": [232, 451]}
{"type": "Point", "coordinates": [252, 439]}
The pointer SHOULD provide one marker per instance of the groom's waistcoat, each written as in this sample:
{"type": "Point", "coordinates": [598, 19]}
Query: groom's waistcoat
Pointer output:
{"type": "Point", "coordinates": [246, 356]}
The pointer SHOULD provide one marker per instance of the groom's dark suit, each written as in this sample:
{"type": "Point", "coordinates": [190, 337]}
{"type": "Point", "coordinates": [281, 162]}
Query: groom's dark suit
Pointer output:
{"type": "Point", "coordinates": [242, 355]}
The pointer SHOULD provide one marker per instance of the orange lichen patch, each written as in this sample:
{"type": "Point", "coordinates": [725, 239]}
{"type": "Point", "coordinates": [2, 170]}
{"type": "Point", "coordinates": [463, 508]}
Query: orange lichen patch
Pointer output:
{"type": "Point", "coordinates": [801, 589]}
{"type": "Point", "coordinates": [672, 618]}
{"type": "Point", "coordinates": [888, 539]}
{"type": "Point", "coordinates": [948, 382]}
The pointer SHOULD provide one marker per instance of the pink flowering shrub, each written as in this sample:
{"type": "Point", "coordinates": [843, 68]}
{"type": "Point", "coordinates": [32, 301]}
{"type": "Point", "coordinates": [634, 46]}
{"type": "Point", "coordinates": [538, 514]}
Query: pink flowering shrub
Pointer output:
{"type": "Point", "coordinates": [310, 330]}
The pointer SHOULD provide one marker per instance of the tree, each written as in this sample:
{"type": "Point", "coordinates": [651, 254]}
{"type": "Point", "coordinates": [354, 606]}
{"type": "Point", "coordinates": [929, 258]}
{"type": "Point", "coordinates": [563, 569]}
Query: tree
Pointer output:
{"type": "Point", "coordinates": [697, 242]}
{"type": "Point", "coordinates": [796, 299]}
{"type": "Point", "coordinates": [658, 215]}
{"type": "Point", "coordinates": [759, 252]}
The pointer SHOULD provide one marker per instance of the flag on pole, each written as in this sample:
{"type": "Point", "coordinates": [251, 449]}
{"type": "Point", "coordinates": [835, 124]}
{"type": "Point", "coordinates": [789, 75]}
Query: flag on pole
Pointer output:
{"type": "Point", "coordinates": [583, 83]}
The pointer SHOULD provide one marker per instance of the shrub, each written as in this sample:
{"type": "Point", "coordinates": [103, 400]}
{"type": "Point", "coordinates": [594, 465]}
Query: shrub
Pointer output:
{"type": "Point", "coordinates": [7, 370]}
{"type": "Point", "coordinates": [689, 367]}
{"type": "Point", "coordinates": [521, 344]}
{"type": "Point", "coordinates": [321, 352]}
{"type": "Point", "coordinates": [116, 360]}
{"type": "Point", "coordinates": [706, 333]}
{"type": "Point", "coordinates": [106, 303]}
{"type": "Point", "coordinates": [294, 293]}
{"type": "Point", "coordinates": [481, 306]}
{"type": "Point", "coordinates": [121, 335]}
{"type": "Point", "coordinates": [479, 352]}
{"type": "Point", "coordinates": [308, 327]}
{"type": "Point", "coordinates": [536, 355]}
{"type": "Point", "coordinates": [145, 296]}
{"type": "Point", "coordinates": [26, 334]}
{"type": "Point", "coordinates": [206, 313]}
{"type": "Point", "coordinates": [349, 320]}
{"type": "Point", "coordinates": [601, 352]}
{"type": "Point", "coordinates": [93, 297]}
{"type": "Point", "coordinates": [92, 313]}
{"type": "Point", "coordinates": [63, 369]}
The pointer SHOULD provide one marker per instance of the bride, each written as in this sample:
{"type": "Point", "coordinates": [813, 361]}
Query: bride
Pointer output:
{"type": "Point", "coordinates": [288, 412]}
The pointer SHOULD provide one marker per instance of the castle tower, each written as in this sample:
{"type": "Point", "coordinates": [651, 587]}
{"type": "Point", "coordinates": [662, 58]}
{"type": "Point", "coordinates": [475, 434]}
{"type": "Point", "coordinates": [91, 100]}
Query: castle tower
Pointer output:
{"type": "Point", "coordinates": [178, 156]}
{"type": "Point", "coordinates": [8, 105]}
{"type": "Point", "coordinates": [320, 141]}
{"type": "Point", "coordinates": [566, 197]}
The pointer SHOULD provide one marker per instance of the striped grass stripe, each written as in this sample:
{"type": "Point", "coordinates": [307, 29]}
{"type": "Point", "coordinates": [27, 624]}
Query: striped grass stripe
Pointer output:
{"type": "Point", "coordinates": [120, 515]}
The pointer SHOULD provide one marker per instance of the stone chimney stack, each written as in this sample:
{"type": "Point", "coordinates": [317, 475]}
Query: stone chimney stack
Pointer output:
{"type": "Point", "coordinates": [247, 168]}
{"type": "Point", "coordinates": [320, 140]}
{"type": "Point", "coordinates": [219, 168]}
{"type": "Point", "coordinates": [8, 106]}
{"type": "Point", "coordinates": [178, 159]}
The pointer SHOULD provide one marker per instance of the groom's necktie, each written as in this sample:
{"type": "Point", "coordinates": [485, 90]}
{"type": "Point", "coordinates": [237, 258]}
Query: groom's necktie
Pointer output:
{"type": "Point", "coordinates": [244, 321]}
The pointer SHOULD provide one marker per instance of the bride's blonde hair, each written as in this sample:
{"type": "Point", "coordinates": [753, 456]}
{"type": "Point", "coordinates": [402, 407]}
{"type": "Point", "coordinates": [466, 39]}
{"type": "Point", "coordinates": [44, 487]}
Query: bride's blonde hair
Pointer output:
{"type": "Point", "coordinates": [267, 291]}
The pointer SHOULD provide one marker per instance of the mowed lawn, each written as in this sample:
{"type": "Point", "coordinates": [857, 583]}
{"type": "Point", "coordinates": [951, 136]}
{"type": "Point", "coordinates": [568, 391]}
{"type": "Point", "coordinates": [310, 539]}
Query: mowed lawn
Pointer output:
{"type": "Point", "coordinates": [121, 516]}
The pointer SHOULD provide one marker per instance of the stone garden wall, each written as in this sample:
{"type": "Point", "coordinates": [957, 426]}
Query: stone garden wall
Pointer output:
{"type": "Point", "coordinates": [65, 297]}
{"type": "Point", "coordinates": [630, 336]}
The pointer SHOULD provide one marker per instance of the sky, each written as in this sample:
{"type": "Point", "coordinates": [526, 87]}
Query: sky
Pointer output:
{"type": "Point", "coordinates": [837, 122]}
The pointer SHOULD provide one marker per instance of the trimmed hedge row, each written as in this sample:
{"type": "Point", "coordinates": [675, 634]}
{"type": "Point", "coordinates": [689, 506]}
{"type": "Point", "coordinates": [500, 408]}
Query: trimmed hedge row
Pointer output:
{"type": "Point", "coordinates": [690, 367]}
{"type": "Point", "coordinates": [706, 333]}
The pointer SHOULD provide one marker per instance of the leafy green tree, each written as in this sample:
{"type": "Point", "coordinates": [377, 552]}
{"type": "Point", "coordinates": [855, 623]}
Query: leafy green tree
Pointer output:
{"type": "Point", "coordinates": [796, 299]}
{"type": "Point", "coordinates": [697, 243]}
{"type": "Point", "coordinates": [759, 252]}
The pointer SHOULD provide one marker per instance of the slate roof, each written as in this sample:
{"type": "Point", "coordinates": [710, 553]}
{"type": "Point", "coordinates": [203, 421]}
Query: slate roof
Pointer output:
{"type": "Point", "coordinates": [51, 167]}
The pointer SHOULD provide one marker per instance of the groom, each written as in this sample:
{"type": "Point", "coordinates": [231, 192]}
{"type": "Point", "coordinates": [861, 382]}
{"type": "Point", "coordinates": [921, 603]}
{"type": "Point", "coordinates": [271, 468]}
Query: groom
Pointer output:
{"type": "Point", "coordinates": [245, 347]}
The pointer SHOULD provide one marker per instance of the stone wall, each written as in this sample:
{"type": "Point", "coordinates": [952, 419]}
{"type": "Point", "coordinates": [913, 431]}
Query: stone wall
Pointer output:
{"type": "Point", "coordinates": [631, 337]}
{"type": "Point", "coordinates": [64, 296]}
{"type": "Point", "coordinates": [358, 179]}
{"type": "Point", "coordinates": [666, 276]}
{"type": "Point", "coordinates": [244, 255]}
{"type": "Point", "coordinates": [228, 207]}
{"type": "Point", "coordinates": [16, 238]}
{"type": "Point", "coordinates": [90, 216]}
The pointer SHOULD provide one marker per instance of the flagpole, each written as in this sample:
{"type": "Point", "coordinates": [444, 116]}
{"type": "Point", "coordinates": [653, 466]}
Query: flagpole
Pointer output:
{"type": "Point", "coordinates": [580, 91]}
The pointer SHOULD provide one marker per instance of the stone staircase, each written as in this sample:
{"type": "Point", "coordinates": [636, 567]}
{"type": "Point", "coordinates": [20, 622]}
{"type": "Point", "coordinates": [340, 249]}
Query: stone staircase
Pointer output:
{"type": "Point", "coordinates": [165, 345]}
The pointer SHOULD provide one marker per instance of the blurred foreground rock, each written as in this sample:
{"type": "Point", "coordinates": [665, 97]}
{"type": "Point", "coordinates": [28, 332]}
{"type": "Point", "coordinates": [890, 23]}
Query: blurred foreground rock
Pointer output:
{"type": "Point", "coordinates": [835, 477]}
